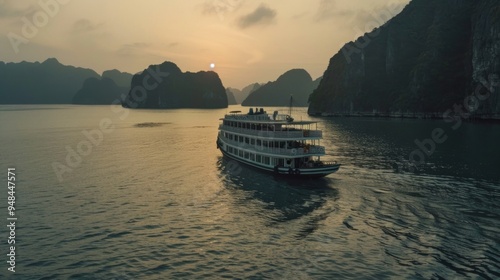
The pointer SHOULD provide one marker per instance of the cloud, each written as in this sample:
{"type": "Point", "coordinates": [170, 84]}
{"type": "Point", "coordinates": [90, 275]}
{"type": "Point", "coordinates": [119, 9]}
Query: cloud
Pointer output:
{"type": "Point", "coordinates": [12, 9]}
{"type": "Point", "coordinates": [133, 49]}
{"type": "Point", "coordinates": [328, 10]}
{"type": "Point", "coordinates": [263, 15]}
{"type": "Point", "coordinates": [172, 45]}
{"type": "Point", "coordinates": [85, 25]}
{"type": "Point", "coordinates": [216, 7]}
{"type": "Point", "coordinates": [299, 15]}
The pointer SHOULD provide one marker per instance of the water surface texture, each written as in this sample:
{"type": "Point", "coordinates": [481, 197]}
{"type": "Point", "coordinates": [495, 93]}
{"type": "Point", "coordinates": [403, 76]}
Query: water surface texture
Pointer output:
{"type": "Point", "coordinates": [154, 199]}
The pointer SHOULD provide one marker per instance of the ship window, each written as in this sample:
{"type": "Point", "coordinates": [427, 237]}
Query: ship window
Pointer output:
{"type": "Point", "coordinates": [240, 153]}
{"type": "Point", "coordinates": [259, 158]}
{"type": "Point", "coordinates": [267, 160]}
{"type": "Point", "coordinates": [252, 141]}
{"type": "Point", "coordinates": [240, 139]}
{"type": "Point", "coordinates": [259, 142]}
{"type": "Point", "coordinates": [247, 155]}
{"type": "Point", "coordinates": [265, 144]}
{"type": "Point", "coordinates": [252, 157]}
{"type": "Point", "coordinates": [247, 140]}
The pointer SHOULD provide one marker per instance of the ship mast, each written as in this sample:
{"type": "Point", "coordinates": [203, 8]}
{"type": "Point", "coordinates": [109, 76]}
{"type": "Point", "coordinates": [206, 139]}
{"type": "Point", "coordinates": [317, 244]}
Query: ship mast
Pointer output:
{"type": "Point", "coordinates": [289, 117]}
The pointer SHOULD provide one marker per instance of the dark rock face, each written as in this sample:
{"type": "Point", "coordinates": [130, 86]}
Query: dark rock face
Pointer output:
{"type": "Point", "coordinates": [166, 86]}
{"type": "Point", "coordinates": [423, 61]}
{"type": "Point", "coordinates": [296, 82]}
{"type": "Point", "coordinates": [486, 53]}
{"type": "Point", "coordinates": [49, 82]}
{"type": "Point", "coordinates": [100, 92]}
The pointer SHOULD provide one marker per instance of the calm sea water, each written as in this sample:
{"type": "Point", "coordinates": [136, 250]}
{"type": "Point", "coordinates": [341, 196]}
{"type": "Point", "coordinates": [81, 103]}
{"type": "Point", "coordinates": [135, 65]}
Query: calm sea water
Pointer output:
{"type": "Point", "coordinates": [155, 200]}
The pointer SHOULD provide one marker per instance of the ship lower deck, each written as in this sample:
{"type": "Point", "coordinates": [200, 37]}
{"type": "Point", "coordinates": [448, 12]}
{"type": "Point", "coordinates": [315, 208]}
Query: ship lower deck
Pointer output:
{"type": "Point", "coordinates": [277, 163]}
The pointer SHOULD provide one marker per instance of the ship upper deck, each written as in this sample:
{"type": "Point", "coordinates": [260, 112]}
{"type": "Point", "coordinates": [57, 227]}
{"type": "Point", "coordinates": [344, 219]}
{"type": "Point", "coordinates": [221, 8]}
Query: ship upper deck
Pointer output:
{"type": "Point", "coordinates": [263, 125]}
{"type": "Point", "coordinates": [262, 117]}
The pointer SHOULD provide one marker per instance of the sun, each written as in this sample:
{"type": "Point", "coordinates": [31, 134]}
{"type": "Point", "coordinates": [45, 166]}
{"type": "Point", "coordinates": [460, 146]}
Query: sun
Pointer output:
{"type": "Point", "coordinates": [212, 65]}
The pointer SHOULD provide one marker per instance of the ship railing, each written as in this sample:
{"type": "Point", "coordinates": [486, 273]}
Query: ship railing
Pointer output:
{"type": "Point", "coordinates": [329, 163]}
{"type": "Point", "coordinates": [318, 164]}
{"type": "Point", "coordinates": [275, 134]}
{"type": "Point", "coordinates": [245, 117]}
{"type": "Point", "coordinates": [311, 150]}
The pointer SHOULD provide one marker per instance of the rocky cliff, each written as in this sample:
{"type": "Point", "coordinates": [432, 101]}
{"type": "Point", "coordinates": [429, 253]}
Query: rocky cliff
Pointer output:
{"type": "Point", "coordinates": [431, 56]}
{"type": "Point", "coordinates": [296, 82]}
{"type": "Point", "coordinates": [166, 86]}
{"type": "Point", "coordinates": [100, 92]}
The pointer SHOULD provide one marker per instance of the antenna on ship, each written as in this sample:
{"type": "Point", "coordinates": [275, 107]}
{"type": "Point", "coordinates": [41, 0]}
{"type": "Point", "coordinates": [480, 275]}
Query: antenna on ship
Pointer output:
{"type": "Point", "coordinates": [289, 117]}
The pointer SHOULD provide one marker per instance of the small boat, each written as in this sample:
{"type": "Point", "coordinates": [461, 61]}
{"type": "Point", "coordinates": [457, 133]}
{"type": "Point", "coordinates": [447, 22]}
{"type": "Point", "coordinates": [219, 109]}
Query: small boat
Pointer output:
{"type": "Point", "coordinates": [275, 143]}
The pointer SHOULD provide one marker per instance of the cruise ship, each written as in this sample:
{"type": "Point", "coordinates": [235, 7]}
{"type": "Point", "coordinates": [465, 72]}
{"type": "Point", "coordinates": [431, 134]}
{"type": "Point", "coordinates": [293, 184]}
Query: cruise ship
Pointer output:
{"type": "Point", "coordinates": [275, 143]}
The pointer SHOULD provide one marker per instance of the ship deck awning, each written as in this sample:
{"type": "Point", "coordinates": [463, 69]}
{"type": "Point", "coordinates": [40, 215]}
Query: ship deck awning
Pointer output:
{"type": "Point", "coordinates": [270, 122]}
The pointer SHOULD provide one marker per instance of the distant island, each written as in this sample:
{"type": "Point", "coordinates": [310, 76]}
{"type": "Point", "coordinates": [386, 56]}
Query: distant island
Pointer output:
{"type": "Point", "coordinates": [241, 95]}
{"type": "Point", "coordinates": [51, 82]}
{"type": "Point", "coordinates": [166, 86]}
{"type": "Point", "coordinates": [48, 82]}
{"type": "Point", "coordinates": [231, 100]}
{"type": "Point", "coordinates": [296, 82]}
{"type": "Point", "coordinates": [431, 56]}
{"type": "Point", "coordinates": [110, 88]}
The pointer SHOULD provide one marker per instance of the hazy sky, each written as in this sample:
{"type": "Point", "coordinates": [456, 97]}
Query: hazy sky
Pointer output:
{"type": "Point", "coordinates": [248, 41]}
